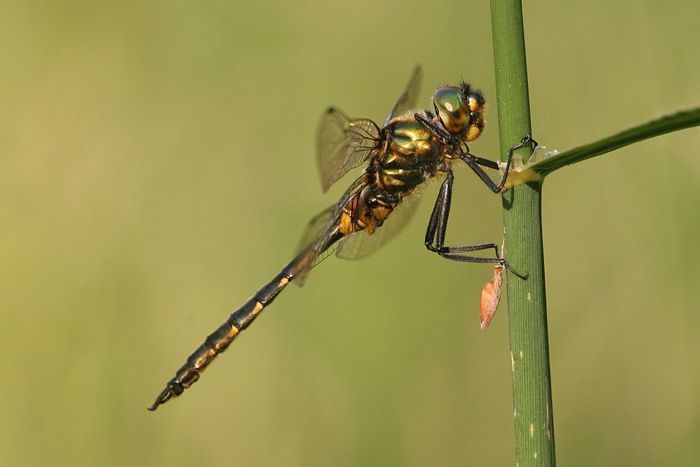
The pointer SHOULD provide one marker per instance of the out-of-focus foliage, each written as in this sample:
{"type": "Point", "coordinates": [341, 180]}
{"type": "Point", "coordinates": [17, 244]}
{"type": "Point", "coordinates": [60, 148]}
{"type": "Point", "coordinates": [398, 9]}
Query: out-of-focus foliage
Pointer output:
{"type": "Point", "coordinates": [157, 166]}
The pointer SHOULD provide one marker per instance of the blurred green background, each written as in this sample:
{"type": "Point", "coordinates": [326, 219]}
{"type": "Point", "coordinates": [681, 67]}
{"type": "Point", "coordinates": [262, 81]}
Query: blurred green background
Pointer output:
{"type": "Point", "coordinates": [157, 167]}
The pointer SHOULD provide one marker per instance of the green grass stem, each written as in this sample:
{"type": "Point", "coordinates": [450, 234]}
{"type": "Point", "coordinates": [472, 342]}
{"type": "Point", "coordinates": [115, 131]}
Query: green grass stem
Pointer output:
{"type": "Point", "coordinates": [527, 310]}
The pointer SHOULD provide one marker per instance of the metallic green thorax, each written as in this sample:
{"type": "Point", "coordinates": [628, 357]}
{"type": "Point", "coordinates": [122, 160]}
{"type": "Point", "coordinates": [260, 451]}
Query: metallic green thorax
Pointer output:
{"type": "Point", "coordinates": [412, 156]}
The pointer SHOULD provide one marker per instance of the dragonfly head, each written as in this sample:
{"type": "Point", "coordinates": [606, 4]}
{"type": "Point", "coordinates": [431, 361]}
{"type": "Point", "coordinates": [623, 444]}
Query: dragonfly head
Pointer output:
{"type": "Point", "coordinates": [461, 110]}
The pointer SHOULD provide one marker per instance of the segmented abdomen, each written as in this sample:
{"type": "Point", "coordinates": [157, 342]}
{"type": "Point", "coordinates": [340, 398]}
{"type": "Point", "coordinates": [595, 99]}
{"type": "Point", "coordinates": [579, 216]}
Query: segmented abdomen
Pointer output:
{"type": "Point", "coordinates": [239, 320]}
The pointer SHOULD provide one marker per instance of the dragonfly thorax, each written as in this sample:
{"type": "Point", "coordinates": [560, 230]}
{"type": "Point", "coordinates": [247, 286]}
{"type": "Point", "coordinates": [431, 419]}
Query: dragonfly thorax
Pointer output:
{"type": "Point", "coordinates": [461, 110]}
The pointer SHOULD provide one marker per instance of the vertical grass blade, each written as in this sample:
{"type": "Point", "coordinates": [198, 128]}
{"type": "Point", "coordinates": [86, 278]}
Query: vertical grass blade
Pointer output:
{"type": "Point", "coordinates": [527, 311]}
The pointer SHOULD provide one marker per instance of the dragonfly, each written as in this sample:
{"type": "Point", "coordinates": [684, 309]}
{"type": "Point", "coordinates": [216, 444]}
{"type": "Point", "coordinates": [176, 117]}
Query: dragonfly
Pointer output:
{"type": "Point", "coordinates": [410, 148]}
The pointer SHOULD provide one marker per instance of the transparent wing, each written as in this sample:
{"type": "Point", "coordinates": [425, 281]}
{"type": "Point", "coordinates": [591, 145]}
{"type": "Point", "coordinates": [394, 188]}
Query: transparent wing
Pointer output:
{"type": "Point", "coordinates": [313, 235]}
{"type": "Point", "coordinates": [343, 144]}
{"type": "Point", "coordinates": [316, 227]}
{"type": "Point", "coordinates": [407, 100]}
{"type": "Point", "coordinates": [362, 244]}
{"type": "Point", "coordinates": [320, 229]}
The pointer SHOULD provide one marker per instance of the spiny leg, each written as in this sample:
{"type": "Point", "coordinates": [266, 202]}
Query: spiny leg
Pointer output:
{"type": "Point", "coordinates": [441, 133]}
{"type": "Point", "coordinates": [437, 229]}
{"type": "Point", "coordinates": [474, 162]}
{"type": "Point", "coordinates": [485, 162]}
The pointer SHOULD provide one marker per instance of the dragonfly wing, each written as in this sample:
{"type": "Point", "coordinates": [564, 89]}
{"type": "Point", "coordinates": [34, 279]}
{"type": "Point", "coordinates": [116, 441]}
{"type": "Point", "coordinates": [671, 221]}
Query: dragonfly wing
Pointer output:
{"type": "Point", "coordinates": [320, 229]}
{"type": "Point", "coordinates": [313, 233]}
{"type": "Point", "coordinates": [407, 100]}
{"type": "Point", "coordinates": [316, 227]}
{"type": "Point", "coordinates": [362, 244]}
{"type": "Point", "coordinates": [343, 144]}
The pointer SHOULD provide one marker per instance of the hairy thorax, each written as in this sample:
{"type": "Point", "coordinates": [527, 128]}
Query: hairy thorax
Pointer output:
{"type": "Point", "coordinates": [410, 158]}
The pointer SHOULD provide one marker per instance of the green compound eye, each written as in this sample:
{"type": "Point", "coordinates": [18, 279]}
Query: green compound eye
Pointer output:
{"type": "Point", "coordinates": [461, 110]}
{"type": "Point", "coordinates": [452, 108]}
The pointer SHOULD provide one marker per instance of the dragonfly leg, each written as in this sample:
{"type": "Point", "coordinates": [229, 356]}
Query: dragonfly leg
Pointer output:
{"type": "Point", "coordinates": [437, 130]}
{"type": "Point", "coordinates": [437, 229]}
{"type": "Point", "coordinates": [474, 162]}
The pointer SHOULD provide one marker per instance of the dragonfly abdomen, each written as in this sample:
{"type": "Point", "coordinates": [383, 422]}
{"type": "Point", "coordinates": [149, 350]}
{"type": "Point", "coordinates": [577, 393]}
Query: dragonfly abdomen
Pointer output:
{"type": "Point", "coordinates": [220, 339]}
